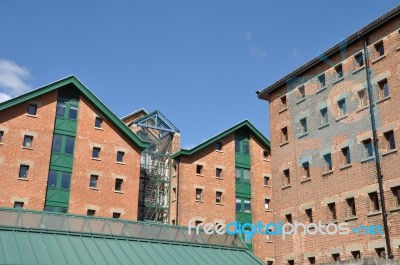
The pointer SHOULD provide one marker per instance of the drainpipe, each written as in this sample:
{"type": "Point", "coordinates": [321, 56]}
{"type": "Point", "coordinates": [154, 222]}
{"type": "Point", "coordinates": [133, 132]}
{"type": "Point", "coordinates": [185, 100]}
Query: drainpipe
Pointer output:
{"type": "Point", "coordinates": [178, 162]}
{"type": "Point", "coordinates": [376, 152]}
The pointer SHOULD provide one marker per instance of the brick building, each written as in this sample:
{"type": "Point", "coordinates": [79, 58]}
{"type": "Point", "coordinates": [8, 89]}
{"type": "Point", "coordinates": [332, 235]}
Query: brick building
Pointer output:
{"type": "Point", "coordinates": [334, 125]}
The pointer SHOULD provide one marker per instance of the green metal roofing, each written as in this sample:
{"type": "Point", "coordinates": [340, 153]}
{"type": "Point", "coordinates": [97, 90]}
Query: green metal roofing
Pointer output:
{"type": "Point", "coordinates": [28, 237]}
{"type": "Point", "coordinates": [106, 112]}
{"type": "Point", "coordinates": [242, 125]}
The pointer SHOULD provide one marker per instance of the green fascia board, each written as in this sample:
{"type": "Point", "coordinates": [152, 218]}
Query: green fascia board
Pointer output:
{"type": "Point", "coordinates": [244, 124]}
{"type": "Point", "coordinates": [105, 111]}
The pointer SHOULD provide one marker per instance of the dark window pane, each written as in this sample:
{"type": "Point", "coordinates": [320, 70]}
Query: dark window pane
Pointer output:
{"type": "Point", "coordinates": [19, 205]}
{"type": "Point", "coordinates": [69, 145]}
{"type": "Point", "coordinates": [238, 205]}
{"type": "Point", "coordinates": [65, 181]}
{"type": "Point", "coordinates": [237, 146]}
{"type": "Point", "coordinates": [57, 143]}
{"type": "Point", "coordinates": [1, 136]}
{"type": "Point", "coordinates": [23, 171]}
{"type": "Point", "coordinates": [118, 184]}
{"type": "Point", "coordinates": [32, 109]}
{"type": "Point", "coordinates": [246, 147]}
{"type": "Point", "coordinates": [49, 208]}
{"type": "Point", "coordinates": [237, 175]}
{"type": "Point", "coordinates": [120, 156]}
{"type": "Point", "coordinates": [116, 215]}
{"type": "Point", "coordinates": [93, 181]}
{"type": "Point", "coordinates": [98, 123]}
{"type": "Point", "coordinates": [60, 109]}
{"type": "Point", "coordinates": [96, 152]}
{"type": "Point", "coordinates": [63, 210]}
{"type": "Point", "coordinates": [91, 212]}
{"type": "Point", "coordinates": [246, 175]}
{"type": "Point", "coordinates": [73, 112]}
{"type": "Point", "coordinates": [28, 141]}
{"type": "Point", "coordinates": [247, 206]}
{"type": "Point", "coordinates": [52, 181]}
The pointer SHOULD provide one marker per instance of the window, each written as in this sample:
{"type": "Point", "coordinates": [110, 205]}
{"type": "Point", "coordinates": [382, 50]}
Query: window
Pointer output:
{"type": "Point", "coordinates": [286, 175]}
{"type": "Point", "coordinates": [380, 49]}
{"type": "Point", "coordinates": [266, 204]}
{"type": "Point", "coordinates": [247, 205]}
{"type": "Point", "coordinates": [311, 260]}
{"type": "Point", "coordinates": [73, 112]}
{"type": "Point", "coordinates": [284, 135]}
{"type": "Point", "coordinates": [339, 71]}
{"type": "Point", "coordinates": [383, 88]}
{"type": "Point", "coordinates": [60, 109]}
{"type": "Point", "coordinates": [120, 156]}
{"type": "Point", "coordinates": [1, 136]}
{"type": "Point", "coordinates": [389, 138]}
{"type": "Point", "coordinates": [246, 175]}
{"type": "Point", "coordinates": [96, 152]}
{"type": "Point", "coordinates": [116, 215]}
{"type": "Point", "coordinates": [69, 145]}
{"type": "Point", "coordinates": [306, 169]}
{"type": "Point", "coordinates": [324, 116]}
{"type": "Point", "coordinates": [18, 205]}
{"type": "Point", "coordinates": [218, 146]}
{"type": "Point", "coordinates": [59, 179]}
{"type": "Point", "coordinates": [328, 162]}
{"type": "Point", "coordinates": [359, 58]}
{"type": "Point", "coordinates": [367, 143]}
{"type": "Point", "coordinates": [302, 92]}
{"type": "Point", "coordinates": [396, 192]}
{"type": "Point", "coordinates": [67, 110]}
{"type": "Point", "coordinates": [246, 149]}
{"type": "Point", "coordinates": [90, 212]}
{"type": "Point", "coordinates": [98, 122]}
{"type": "Point", "coordinates": [173, 222]}
{"type": "Point", "coordinates": [352, 206]}
{"type": "Point", "coordinates": [238, 205]}
{"type": "Point", "coordinates": [199, 194]}
{"type": "Point", "coordinates": [380, 252]}
{"type": "Point", "coordinates": [362, 95]}
{"type": "Point", "coordinates": [332, 211]}
{"type": "Point", "coordinates": [197, 223]}
{"type": "Point", "coordinates": [32, 109]}
{"type": "Point", "coordinates": [342, 107]}
{"type": "Point", "coordinates": [290, 262]}
{"type": "Point", "coordinates": [93, 181]}
{"type": "Point", "coordinates": [247, 237]}
{"type": "Point", "coordinates": [199, 169]}
{"type": "Point", "coordinates": [346, 155]}
{"type": "Point", "coordinates": [218, 172]}
{"type": "Point", "coordinates": [270, 262]}
{"type": "Point", "coordinates": [266, 180]}
{"type": "Point", "coordinates": [265, 154]}
{"type": "Point", "coordinates": [23, 171]}
{"type": "Point", "coordinates": [174, 193]}
{"type": "Point", "coordinates": [289, 218]}
{"type": "Point", "coordinates": [303, 125]}
{"type": "Point", "coordinates": [373, 196]}
{"type": "Point", "coordinates": [356, 254]}
{"type": "Point", "coordinates": [268, 236]}
{"type": "Point", "coordinates": [237, 146]}
{"type": "Point", "coordinates": [63, 144]}
{"type": "Point", "coordinates": [238, 175]}
{"type": "Point", "coordinates": [28, 141]}
{"type": "Point", "coordinates": [336, 257]}
{"type": "Point", "coordinates": [118, 184]}
{"type": "Point", "coordinates": [218, 197]}
{"type": "Point", "coordinates": [283, 102]}
{"type": "Point", "coordinates": [309, 215]}
{"type": "Point", "coordinates": [322, 81]}
{"type": "Point", "coordinates": [242, 175]}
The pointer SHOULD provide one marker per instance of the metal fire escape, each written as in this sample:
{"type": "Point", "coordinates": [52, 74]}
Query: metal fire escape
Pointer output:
{"type": "Point", "coordinates": [155, 168]}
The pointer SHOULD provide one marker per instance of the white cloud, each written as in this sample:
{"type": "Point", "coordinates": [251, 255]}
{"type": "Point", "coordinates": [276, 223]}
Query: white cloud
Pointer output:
{"type": "Point", "coordinates": [249, 35]}
{"type": "Point", "coordinates": [12, 79]}
{"type": "Point", "coordinates": [255, 50]}
{"type": "Point", "coordinates": [296, 54]}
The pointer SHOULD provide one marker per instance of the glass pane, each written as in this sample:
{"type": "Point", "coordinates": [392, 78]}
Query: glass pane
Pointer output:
{"type": "Point", "coordinates": [93, 181]}
{"type": "Point", "coordinates": [238, 205]}
{"type": "Point", "coordinates": [32, 109]}
{"type": "Point", "coordinates": [237, 146]}
{"type": "Point", "coordinates": [23, 171]}
{"type": "Point", "coordinates": [247, 206]}
{"type": "Point", "coordinates": [65, 181]}
{"type": "Point", "coordinates": [57, 143]}
{"type": "Point", "coordinates": [69, 145]}
{"type": "Point", "coordinates": [60, 109]}
{"type": "Point", "coordinates": [246, 174]}
{"type": "Point", "coordinates": [246, 147]}
{"type": "Point", "coordinates": [237, 176]}
{"type": "Point", "coordinates": [73, 112]}
{"type": "Point", "coordinates": [52, 181]}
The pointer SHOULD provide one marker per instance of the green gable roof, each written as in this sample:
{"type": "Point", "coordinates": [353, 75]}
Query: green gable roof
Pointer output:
{"type": "Point", "coordinates": [242, 125]}
{"type": "Point", "coordinates": [106, 112]}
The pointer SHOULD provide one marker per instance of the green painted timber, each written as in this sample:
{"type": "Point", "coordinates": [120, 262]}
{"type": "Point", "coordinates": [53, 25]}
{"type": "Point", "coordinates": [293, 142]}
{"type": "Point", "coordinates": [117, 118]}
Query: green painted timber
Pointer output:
{"type": "Point", "coordinates": [243, 190]}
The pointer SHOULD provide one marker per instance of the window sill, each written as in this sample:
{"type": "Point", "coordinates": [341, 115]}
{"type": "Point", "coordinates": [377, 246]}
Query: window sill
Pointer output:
{"type": "Point", "coordinates": [345, 166]}
{"type": "Point", "coordinates": [367, 159]}
{"type": "Point", "coordinates": [219, 151]}
{"type": "Point", "coordinates": [389, 152]}
{"type": "Point", "coordinates": [268, 211]}
{"type": "Point", "coordinates": [120, 163]}
{"type": "Point", "coordinates": [174, 175]}
{"type": "Point", "coordinates": [93, 188]}
{"type": "Point", "coordinates": [31, 116]}
{"type": "Point", "coordinates": [219, 203]}
{"type": "Point", "coordinates": [1, 143]}
{"type": "Point", "coordinates": [284, 143]}
{"type": "Point", "coordinates": [266, 160]}
{"type": "Point", "coordinates": [362, 108]}
{"type": "Point", "coordinates": [267, 186]}
{"type": "Point", "coordinates": [199, 201]}
{"type": "Point", "coordinates": [342, 118]}
{"type": "Point", "coordinates": [321, 89]}
{"type": "Point", "coordinates": [304, 180]}
{"type": "Point", "coordinates": [219, 178]}
{"type": "Point", "coordinates": [383, 99]}
{"type": "Point", "coordinates": [282, 110]}
{"type": "Point", "coordinates": [199, 175]}
{"type": "Point", "coordinates": [355, 71]}
{"type": "Point", "coordinates": [269, 241]}
{"type": "Point", "coordinates": [96, 159]}
{"type": "Point", "coordinates": [286, 186]}
{"type": "Point", "coordinates": [99, 128]}
{"type": "Point", "coordinates": [23, 179]}
{"type": "Point", "coordinates": [380, 58]}
{"type": "Point", "coordinates": [323, 126]}
{"type": "Point", "coordinates": [395, 209]}
{"type": "Point", "coordinates": [119, 191]}
{"type": "Point", "coordinates": [302, 135]}
{"type": "Point", "coordinates": [350, 218]}
{"type": "Point", "coordinates": [300, 100]}
{"type": "Point", "coordinates": [173, 200]}
{"type": "Point", "coordinates": [338, 80]}
{"type": "Point", "coordinates": [326, 173]}
{"type": "Point", "coordinates": [371, 214]}
{"type": "Point", "coordinates": [27, 148]}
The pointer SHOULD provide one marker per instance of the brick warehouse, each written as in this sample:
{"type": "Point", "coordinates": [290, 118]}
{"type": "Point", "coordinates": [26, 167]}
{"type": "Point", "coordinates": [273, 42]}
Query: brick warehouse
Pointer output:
{"type": "Point", "coordinates": [334, 139]}
{"type": "Point", "coordinates": [62, 150]}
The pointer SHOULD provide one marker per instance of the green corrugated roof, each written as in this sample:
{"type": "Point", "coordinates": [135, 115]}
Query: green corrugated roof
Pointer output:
{"type": "Point", "coordinates": [106, 112]}
{"type": "Point", "coordinates": [242, 125]}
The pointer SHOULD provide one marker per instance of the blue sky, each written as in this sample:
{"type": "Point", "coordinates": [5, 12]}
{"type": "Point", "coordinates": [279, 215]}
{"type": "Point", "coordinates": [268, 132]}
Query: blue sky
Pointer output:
{"type": "Point", "coordinates": [198, 62]}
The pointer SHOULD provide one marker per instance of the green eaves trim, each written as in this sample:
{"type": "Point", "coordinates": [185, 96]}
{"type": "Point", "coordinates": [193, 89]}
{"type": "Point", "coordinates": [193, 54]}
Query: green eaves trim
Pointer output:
{"type": "Point", "coordinates": [106, 112]}
{"type": "Point", "coordinates": [244, 124]}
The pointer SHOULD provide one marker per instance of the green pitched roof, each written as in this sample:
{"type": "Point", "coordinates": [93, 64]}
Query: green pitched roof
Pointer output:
{"type": "Point", "coordinates": [106, 112]}
{"type": "Point", "coordinates": [242, 125]}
